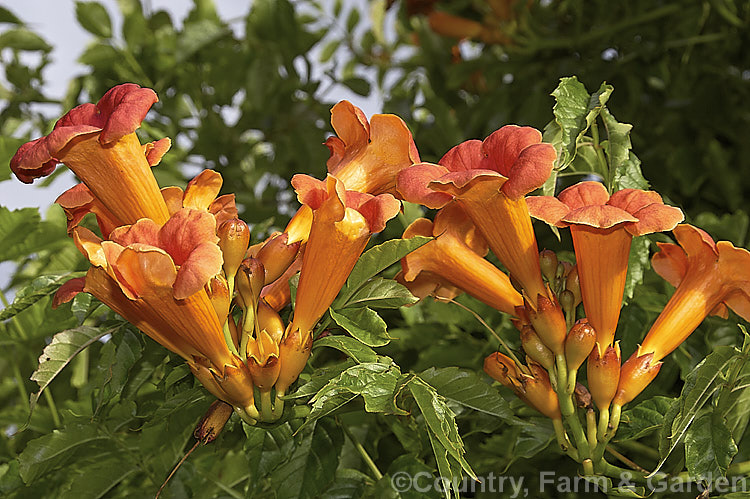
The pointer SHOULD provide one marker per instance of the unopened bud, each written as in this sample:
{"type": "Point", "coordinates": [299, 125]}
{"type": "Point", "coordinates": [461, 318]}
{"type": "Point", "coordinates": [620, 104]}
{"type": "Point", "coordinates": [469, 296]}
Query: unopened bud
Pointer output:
{"type": "Point", "coordinates": [213, 422]}
{"type": "Point", "coordinates": [573, 284]}
{"type": "Point", "coordinates": [539, 393]}
{"type": "Point", "coordinates": [603, 371]}
{"type": "Point", "coordinates": [263, 360]}
{"type": "Point", "coordinates": [548, 321]}
{"type": "Point", "coordinates": [218, 292]}
{"type": "Point", "coordinates": [567, 302]}
{"type": "Point", "coordinates": [249, 281]}
{"type": "Point", "coordinates": [276, 256]}
{"type": "Point", "coordinates": [502, 368]}
{"type": "Point", "coordinates": [563, 269]}
{"type": "Point", "coordinates": [535, 348]}
{"type": "Point", "coordinates": [635, 375]}
{"type": "Point", "coordinates": [548, 264]}
{"type": "Point", "coordinates": [234, 236]}
{"type": "Point", "coordinates": [294, 351]}
{"type": "Point", "coordinates": [269, 320]}
{"type": "Point", "coordinates": [579, 343]}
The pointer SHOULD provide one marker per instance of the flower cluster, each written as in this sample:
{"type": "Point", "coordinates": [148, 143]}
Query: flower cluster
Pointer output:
{"type": "Point", "coordinates": [178, 264]}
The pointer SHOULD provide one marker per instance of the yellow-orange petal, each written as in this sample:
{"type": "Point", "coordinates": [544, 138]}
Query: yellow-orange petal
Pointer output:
{"type": "Point", "coordinates": [202, 190]}
{"type": "Point", "coordinates": [154, 151]}
{"type": "Point", "coordinates": [412, 185]}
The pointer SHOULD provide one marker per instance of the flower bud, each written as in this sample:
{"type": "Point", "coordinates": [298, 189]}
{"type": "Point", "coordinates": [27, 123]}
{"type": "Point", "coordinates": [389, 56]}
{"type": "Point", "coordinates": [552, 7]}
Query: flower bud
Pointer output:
{"type": "Point", "coordinates": [582, 396]}
{"type": "Point", "coordinates": [270, 321]}
{"type": "Point", "coordinates": [234, 236]}
{"type": "Point", "coordinates": [579, 343]}
{"type": "Point", "coordinates": [502, 368]}
{"type": "Point", "coordinates": [218, 292]}
{"type": "Point", "coordinates": [539, 392]}
{"type": "Point", "coordinates": [276, 256]}
{"type": "Point", "coordinates": [548, 321]}
{"type": "Point", "coordinates": [237, 383]}
{"type": "Point", "coordinates": [573, 284]}
{"type": "Point", "coordinates": [604, 374]}
{"type": "Point", "coordinates": [294, 351]}
{"type": "Point", "coordinates": [563, 269]}
{"type": "Point", "coordinates": [249, 282]}
{"type": "Point", "coordinates": [213, 422]}
{"type": "Point", "coordinates": [548, 264]}
{"type": "Point", "coordinates": [636, 373]}
{"type": "Point", "coordinates": [535, 348]}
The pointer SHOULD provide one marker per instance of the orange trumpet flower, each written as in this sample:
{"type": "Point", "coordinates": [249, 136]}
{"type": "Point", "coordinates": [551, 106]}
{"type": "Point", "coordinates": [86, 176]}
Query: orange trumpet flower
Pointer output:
{"type": "Point", "coordinates": [342, 224]}
{"type": "Point", "coordinates": [603, 228]}
{"type": "Point", "coordinates": [367, 157]}
{"type": "Point", "coordinates": [489, 179]}
{"type": "Point", "coordinates": [455, 256]}
{"type": "Point", "coordinates": [98, 142]}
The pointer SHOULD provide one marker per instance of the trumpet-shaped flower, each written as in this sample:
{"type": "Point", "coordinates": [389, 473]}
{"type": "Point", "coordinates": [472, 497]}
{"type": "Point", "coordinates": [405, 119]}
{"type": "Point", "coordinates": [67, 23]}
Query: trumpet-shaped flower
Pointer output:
{"type": "Point", "coordinates": [342, 224]}
{"type": "Point", "coordinates": [455, 256]}
{"type": "Point", "coordinates": [367, 157]}
{"type": "Point", "coordinates": [98, 142]}
{"type": "Point", "coordinates": [602, 228]}
{"type": "Point", "coordinates": [489, 179]}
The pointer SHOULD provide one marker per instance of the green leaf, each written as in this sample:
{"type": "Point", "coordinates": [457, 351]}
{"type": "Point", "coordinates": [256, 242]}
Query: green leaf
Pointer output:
{"type": "Point", "coordinates": [352, 19]}
{"type": "Point", "coordinates": [379, 258]}
{"type": "Point", "coordinates": [328, 50]}
{"type": "Point", "coordinates": [312, 466]}
{"type": "Point", "coordinates": [359, 86]}
{"type": "Point", "coordinates": [46, 453]}
{"type": "Point", "coordinates": [625, 167]}
{"type": "Point", "coordinates": [638, 263]}
{"type": "Point", "coordinates": [23, 39]}
{"type": "Point", "coordinates": [381, 293]}
{"type": "Point", "coordinates": [364, 324]}
{"type": "Point", "coordinates": [93, 17]}
{"type": "Point", "coordinates": [466, 388]}
{"type": "Point", "coordinates": [199, 35]}
{"type": "Point", "coordinates": [7, 16]}
{"type": "Point", "coordinates": [63, 348]}
{"type": "Point", "coordinates": [99, 55]}
{"type": "Point", "coordinates": [709, 447]}
{"type": "Point", "coordinates": [575, 110]}
{"type": "Point", "coordinates": [351, 347]}
{"type": "Point", "coordinates": [378, 384]}
{"type": "Point", "coordinates": [643, 419]}
{"type": "Point", "coordinates": [448, 467]}
{"type": "Point", "coordinates": [440, 420]}
{"type": "Point", "coordinates": [38, 288]}
{"type": "Point", "coordinates": [94, 480]}
{"type": "Point", "coordinates": [115, 361]}
{"type": "Point", "coordinates": [699, 385]}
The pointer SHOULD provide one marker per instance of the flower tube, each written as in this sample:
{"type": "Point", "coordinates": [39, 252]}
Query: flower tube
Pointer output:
{"type": "Point", "coordinates": [342, 224]}
{"type": "Point", "coordinates": [98, 143]}
{"type": "Point", "coordinates": [709, 278]}
{"type": "Point", "coordinates": [489, 179]}
{"type": "Point", "coordinates": [602, 228]}
{"type": "Point", "coordinates": [456, 257]}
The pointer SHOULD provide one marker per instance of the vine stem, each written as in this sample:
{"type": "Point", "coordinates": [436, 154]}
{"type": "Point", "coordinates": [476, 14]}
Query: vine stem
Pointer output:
{"type": "Point", "coordinates": [362, 452]}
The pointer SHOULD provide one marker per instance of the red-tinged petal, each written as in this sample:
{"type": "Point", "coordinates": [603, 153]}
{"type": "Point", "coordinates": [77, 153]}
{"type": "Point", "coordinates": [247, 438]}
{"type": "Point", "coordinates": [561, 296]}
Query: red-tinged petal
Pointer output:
{"type": "Point", "coordinates": [125, 107]}
{"type": "Point", "coordinates": [599, 216]}
{"type": "Point", "coordinates": [655, 218]}
{"type": "Point", "coordinates": [632, 200]}
{"type": "Point", "coordinates": [173, 197]}
{"type": "Point", "coordinates": [720, 310]}
{"type": "Point", "coordinates": [156, 150]}
{"type": "Point", "coordinates": [696, 242]}
{"type": "Point", "coordinates": [377, 210]}
{"type": "Point", "coordinates": [582, 194]}
{"type": "Point", "coordinates": [184, 231]}
{"type": "Point", "coordinates": [530, 171]}
{"type": "Point", "coordinates": [671, 263]}
{"type": "Point", "coordinates": [68, 291]}
{"type": "Point", "coordinates": [145, 270]}
{"type": "Point", "coordinates": [457, 183]}
{"type": "Point", "coordinates": [310, 191]}
{"type": "Point", "coordinates": [548, 209]}
{"type": "Point", "coordinates": [202, 190]}
{"type": "Point", "coordinates": [144, 231]}
{"type": "Point", "coordinates": [412, 184]}
{"type": "Point", "coordinates": [467, 155]}
{"type": "Point", "coordinates": [504, 146]}
{"type": "Point", "coordinates": [204, 262]}
{"type": "Point", "coordinates": [32, 160]}
{"type": "Point", "coordinates": [223, 208]}
{"type": "Point", "coordinates": [353, 131]}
